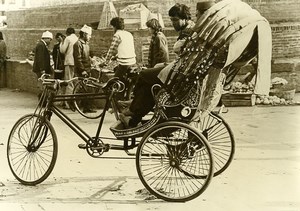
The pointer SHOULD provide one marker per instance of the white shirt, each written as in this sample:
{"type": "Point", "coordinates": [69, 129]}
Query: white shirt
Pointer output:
{"type": "Point", "coordinates": [66, 47]}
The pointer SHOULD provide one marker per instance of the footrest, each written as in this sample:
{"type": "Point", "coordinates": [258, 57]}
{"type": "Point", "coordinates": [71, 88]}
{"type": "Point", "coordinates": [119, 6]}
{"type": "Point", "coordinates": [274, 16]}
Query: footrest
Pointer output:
{"type": "Point", "coordinates": [118, 125]}
{"type": "Point", "coordinates": [82, 146]}
{"type": "Point", "coordinates": [120, 132]}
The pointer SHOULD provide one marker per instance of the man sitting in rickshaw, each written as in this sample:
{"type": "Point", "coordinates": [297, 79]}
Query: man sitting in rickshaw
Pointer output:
{"type": "Point", "coordinates": [143, 101]}
{"type": "Point", "coordinates": [227, 36]}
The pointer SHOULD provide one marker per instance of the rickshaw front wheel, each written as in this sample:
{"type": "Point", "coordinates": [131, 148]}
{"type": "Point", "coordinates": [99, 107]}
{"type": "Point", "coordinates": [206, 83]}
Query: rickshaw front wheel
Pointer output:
{"type": "Point", "coordinates": [174, 162]}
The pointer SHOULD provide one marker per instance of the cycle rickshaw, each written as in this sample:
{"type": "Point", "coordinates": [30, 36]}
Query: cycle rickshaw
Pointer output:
{"type": "Point", "coordinates": [178, 151]}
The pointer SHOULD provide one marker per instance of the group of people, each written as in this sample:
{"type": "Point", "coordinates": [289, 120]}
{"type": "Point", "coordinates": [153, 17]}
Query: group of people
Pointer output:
{"type": "Point", "coordinates": [71, 55]}
{"type": "Point", "coordinates": [76, 56]}
{"type": "Point", "coordinates": [243, 29]}
{"type": "Point", "coordinates": [143, 101]}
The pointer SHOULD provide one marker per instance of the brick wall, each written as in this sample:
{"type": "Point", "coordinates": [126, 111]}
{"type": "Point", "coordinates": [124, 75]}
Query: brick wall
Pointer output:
{"type": "Point", "coordinates": [62, 16]}
{"type": "Point", "coordinates": [283, 16]}
{"type": "Point", "coordinates": [20, 76]}
{"type": "Point", "coordinates": [277, 11]}
{"type": "Point", "coordinates": [25, 28]}
{"type": "Point", "coordinates": [286, 40]}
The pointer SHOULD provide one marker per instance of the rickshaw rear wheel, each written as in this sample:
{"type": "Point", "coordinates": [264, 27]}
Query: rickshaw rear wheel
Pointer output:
{"type": "Point", "coordinates": [220, 138]}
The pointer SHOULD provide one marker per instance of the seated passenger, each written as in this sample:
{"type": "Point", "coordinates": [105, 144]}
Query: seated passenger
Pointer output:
{"type": "Point", "coordinates": [143, 101]}
{"type": "Point", "coordinates": [226, 36]}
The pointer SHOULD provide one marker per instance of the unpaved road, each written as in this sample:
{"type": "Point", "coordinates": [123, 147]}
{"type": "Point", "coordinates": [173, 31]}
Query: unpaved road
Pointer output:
{"type": "Point", "coordinates": [264, 176]}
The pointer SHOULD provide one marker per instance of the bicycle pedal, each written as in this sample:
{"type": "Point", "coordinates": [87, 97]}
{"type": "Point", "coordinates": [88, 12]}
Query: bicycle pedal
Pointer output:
{"type": "Point", "coordinates": [104, 147]}
{"type": "Point", "coordinates": [82, 146]}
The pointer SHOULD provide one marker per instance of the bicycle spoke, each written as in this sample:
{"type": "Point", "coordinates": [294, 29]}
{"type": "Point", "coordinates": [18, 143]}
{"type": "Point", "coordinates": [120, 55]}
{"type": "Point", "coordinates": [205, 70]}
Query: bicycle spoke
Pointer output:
{"type": "Point", "coordinates": [174, 175]}
{"type": "Point", "coordinates": [32, 149]}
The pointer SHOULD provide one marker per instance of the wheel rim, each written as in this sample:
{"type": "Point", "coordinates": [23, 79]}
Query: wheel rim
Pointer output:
{"type": "Point", "coordinates": [31, 165]}
{"type": "Point", "coordinates": [221, 139]}
{"type": "Point", "coordinates": [93, 104]}
{"type": "Point", "coordinates": [168, 169]}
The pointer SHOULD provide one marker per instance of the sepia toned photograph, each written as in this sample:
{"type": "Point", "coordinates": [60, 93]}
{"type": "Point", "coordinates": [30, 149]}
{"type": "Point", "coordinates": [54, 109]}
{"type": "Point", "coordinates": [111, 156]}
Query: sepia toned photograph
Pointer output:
{"type": "Point", "coordinates": [113, 105]}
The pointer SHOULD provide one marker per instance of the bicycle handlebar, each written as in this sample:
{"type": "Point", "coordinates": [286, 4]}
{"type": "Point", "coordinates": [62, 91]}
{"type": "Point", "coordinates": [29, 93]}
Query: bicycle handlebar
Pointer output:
{"type": "Point", "coordinates": [49, 81]}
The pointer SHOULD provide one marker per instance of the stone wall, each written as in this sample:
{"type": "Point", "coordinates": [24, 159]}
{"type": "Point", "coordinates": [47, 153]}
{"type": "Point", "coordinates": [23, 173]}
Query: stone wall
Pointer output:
{"type": "Point", "coordinates": [25, 28]}
{"type": "Point", "coordinates": [20, 76]}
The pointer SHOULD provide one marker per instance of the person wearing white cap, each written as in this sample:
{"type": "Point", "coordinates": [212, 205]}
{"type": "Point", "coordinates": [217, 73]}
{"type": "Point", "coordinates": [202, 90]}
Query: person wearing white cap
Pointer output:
{"type": "Point", "coordinates": [81, 53]}
{"type": "Point", "coordinates": [66, 48]}
{"type": "Point", "coordinates": [87, 29]}
{"type": "Point", "coordinates": [41, 62]}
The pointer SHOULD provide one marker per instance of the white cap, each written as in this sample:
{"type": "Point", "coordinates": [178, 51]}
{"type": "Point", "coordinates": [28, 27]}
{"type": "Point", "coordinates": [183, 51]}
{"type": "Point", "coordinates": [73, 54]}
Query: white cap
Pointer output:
{"type": "Point", "coordinates": [47, 34]}
{"type": "Point", "coordinates": [86, 29]}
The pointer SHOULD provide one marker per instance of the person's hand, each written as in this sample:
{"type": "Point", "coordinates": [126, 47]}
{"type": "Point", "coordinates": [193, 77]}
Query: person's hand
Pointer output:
{"type": "Point", "coordinates": [85, 74]}
{"type": "Point", "coordinates": [103, 64]}
{"type": "Point", "coordinates": [159, 65]}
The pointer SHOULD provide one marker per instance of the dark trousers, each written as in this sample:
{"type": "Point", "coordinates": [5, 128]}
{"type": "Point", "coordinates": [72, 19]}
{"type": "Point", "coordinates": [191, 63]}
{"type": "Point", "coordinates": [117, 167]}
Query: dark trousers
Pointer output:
{"type": "Point", "coordinates": [3, 76]}
{"type": "Point", "coordinates": [143, 101]}
{"type": "Point", "coordinates": [122, 72]}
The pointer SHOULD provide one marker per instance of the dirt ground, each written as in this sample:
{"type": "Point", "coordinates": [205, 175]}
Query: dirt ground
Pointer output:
{"type": "Point", "coordinates": [264, 175]}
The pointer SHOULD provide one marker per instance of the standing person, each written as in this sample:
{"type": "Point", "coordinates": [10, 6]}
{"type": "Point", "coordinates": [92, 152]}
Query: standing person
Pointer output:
{"type": "Point", "coordinates": [82, 60]}
{"type": "Point", "coordinates": [2, 61]}
{"type": "Point", "coordinates": [143, 101]}
{"type": "Point", "coordinates": [41, 62]}
{"type": "Point", "coordinates": [58, 57]}
{"type": "Point", "coordinates": [158, 49]}
{"type": "Point", "coordinates": [66, 48]}
{"type": "Point", "coordinates": [81, 52]}
{"type": "Point", "coordinates": [122, 47]}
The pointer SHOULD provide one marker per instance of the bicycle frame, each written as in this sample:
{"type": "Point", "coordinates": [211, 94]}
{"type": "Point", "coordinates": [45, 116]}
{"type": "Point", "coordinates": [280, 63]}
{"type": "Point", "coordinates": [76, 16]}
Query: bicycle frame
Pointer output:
{"type": "Point", "coordinates": [68, 121]}
{"type": "Point", "coordinates": [52, 108]}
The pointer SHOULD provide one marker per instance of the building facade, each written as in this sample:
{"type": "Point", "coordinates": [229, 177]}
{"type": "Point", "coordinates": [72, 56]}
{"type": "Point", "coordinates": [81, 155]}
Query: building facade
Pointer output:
{"type": "Point", "coordinates": [27, 24]}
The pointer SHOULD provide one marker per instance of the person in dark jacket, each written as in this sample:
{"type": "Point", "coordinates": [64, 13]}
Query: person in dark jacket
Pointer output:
{"type": "Point", "coordinates": [41, 62]}
{"type": "Point", "coordinates": [82, 61]}
{"type": "Point", "coordinates": [58, 57]}
{"type": "Point", "coordinates": [158, 49]}
{"type": "Point", "coordinates": [81, 52]}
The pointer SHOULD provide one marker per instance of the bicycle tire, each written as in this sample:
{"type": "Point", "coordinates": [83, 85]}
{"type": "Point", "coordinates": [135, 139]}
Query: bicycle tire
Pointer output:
{"type": "Point", "coordinates": [32, 165]}
{"type": "Point", "coordinates": [221, 139]}
{"type": "Point", "coordinates": [95, 107]}
{"type": "Point", "coordinates": [166, 166]}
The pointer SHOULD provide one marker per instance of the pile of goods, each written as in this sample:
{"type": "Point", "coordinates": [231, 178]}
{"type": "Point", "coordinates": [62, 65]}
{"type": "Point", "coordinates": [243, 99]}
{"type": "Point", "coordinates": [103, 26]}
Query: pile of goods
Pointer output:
{"type": "Point", "coordinates": [135, 16]}
{"type": "Point", "coordinates": [275, 82]}
{"type": "Point", "coordinates": [239, 94]}
{"type": "Point", "coordinates": [96, 62]}
{"type": "Point", "coordinates": [272, 100]}
{"type": "Point", "coordinates": [238, 87]}
{"type": "Point", "coordinates": [281, 93]}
